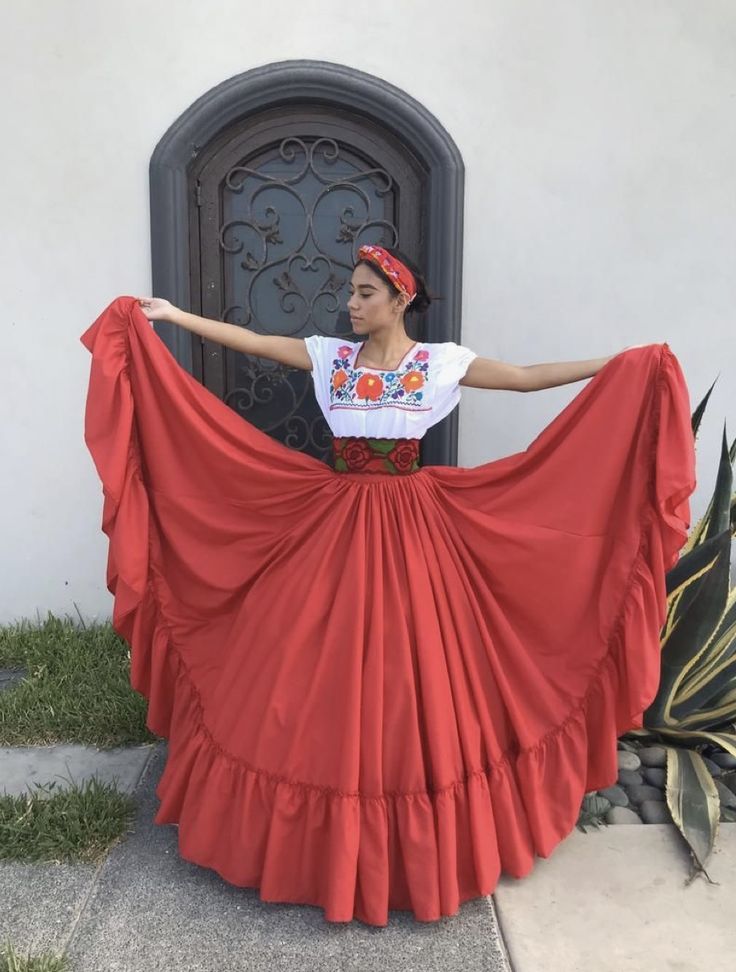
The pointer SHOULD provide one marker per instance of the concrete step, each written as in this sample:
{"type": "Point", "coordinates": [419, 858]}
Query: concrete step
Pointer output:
{"type": "Point", "coordinates": [23, 766]}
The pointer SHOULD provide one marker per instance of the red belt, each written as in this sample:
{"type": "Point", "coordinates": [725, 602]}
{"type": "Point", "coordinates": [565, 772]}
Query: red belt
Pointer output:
{"type": "Point", "coordinates": [356, 453]}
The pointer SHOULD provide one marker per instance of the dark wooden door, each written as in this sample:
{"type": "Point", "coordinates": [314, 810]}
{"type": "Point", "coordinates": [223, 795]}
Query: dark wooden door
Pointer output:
{"type": "Point", "coordinates": [280, 204]}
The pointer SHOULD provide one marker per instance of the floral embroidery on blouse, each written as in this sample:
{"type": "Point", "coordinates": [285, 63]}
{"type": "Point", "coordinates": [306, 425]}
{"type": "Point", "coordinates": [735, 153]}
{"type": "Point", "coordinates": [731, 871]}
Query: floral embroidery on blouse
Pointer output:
{"type": "Point", "coordinates": [403, 388]}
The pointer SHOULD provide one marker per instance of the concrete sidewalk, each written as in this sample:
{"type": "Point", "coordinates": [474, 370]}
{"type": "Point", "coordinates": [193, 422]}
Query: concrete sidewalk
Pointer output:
{"type": "Point", "coordinates": [144, 908]}
{"type": "Point", "coordinates": [616, 900]}
{"type": "Point", "coordinates": [612, 899]}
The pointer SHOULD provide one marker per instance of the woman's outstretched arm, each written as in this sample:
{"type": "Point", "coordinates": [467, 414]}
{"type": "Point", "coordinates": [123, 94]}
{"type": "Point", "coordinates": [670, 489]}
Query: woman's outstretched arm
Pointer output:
{"type": "Point", "coordinates": [489, 373]}
{"type": "Point", "coordinates": [286, 350]}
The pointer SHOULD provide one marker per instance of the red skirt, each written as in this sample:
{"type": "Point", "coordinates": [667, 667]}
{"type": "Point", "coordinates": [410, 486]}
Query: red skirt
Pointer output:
{"type": "Point", "coordinates": [380, 691]}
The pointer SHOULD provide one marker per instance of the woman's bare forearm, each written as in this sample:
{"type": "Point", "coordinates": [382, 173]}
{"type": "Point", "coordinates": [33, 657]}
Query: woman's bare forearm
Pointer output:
{"type": "Point", "coordinates": [231, 335]}
{"type": "Point", "coordinates": [549, 375]}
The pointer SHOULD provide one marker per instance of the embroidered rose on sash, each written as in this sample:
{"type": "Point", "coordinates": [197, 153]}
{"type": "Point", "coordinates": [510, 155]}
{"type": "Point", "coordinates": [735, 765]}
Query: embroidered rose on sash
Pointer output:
{"type": "Point", "coordinates": [404, 455]}
{"type": "Point", "coordinates": [357, 454]}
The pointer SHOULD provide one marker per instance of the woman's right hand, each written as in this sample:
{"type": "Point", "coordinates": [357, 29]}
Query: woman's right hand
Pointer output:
{"type": "Point", "coordinates": [156, 308]}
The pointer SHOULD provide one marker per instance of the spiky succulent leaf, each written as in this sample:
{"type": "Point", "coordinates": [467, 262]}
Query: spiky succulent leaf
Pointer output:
{"type": "Point", "coordinates": [693, 801]}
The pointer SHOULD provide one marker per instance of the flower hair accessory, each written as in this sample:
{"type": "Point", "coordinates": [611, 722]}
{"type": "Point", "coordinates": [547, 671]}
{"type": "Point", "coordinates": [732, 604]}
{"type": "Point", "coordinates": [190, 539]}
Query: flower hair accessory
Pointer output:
{"type": "Point", "coordinates": [397, 272]}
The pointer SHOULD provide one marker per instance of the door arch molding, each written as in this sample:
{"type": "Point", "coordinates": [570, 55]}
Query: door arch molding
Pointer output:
{"type": "Point", "coordinates": [342, 87]}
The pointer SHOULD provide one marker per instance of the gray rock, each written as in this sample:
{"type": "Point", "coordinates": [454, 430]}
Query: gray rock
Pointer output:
{"type": "Point", "coordinates": [625, 744]}
{"type": "Point", "coordinates": [638, 793]}
{"type": "Point", "coordinates": [653, 756]}
{"type": "Point", "coordinates": [728, 797]}
{"type": "Point", "coordinates": [713, 768]}
{"type": "Point", "coordinates": [724, 760]}
{"type": "Point", "coordinates": [622, 815]}
{"type": "Point", "coordinates": [629, 777]}
{"type": "Point", "coordinates": [617, 795]}
{"type": "Point", "coordinates": [627, 761]}
{"type": "Point", "coordinates": [655, 776]}
{"type": "Point", "coordinates": [9, 677]}
{"type": "Point", "coordinates": [655, 811]}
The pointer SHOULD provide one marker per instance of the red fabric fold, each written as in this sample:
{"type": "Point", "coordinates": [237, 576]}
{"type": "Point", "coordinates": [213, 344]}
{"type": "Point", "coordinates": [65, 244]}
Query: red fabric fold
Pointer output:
{"type": "Point", "coordinates": [382, 691]}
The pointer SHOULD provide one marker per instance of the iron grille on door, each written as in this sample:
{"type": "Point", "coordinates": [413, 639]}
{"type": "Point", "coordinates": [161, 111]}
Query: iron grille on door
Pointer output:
{"type": "Point", "coordinates": [280, 206]}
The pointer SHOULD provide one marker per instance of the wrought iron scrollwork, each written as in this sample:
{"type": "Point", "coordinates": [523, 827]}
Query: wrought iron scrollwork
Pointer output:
{"type": "Point", "coordinates": [292, 219]}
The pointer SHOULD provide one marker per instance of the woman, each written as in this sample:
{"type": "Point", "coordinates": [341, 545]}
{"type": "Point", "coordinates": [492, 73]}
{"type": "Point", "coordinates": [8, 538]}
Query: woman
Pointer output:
{"type": "Point", "coordinates": [382, 683]}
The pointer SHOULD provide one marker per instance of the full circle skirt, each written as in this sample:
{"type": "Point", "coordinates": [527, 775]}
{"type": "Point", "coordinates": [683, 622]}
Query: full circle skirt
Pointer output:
{"type": "Point", "coordinates": [380, 692]}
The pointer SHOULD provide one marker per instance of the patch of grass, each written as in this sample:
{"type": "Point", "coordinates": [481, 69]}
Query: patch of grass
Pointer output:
{"type": "Point", "coordinates": [77, 824]}
{"type": "Point", "coordinates": [11, 961]}
{"type": "Point", "coordinates": [77, 687]}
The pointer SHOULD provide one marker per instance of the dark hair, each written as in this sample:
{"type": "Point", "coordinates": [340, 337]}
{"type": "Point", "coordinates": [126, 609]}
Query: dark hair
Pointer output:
{"type": "Point", "coordinates": [423, 298]}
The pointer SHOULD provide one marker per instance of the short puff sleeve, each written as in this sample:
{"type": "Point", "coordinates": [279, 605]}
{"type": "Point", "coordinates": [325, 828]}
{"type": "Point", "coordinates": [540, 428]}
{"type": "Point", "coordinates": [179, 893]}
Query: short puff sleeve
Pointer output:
{"type": "Point", "coordinates": [321, 350]}
{"type": "Point", "coordinates": [452, 365]}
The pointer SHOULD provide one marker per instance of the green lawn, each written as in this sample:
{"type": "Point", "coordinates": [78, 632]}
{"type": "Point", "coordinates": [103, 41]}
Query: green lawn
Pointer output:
{"type": "Point", "coordinates": [79, 823]}
{"type": "Point", "coordinates": [76, 689]}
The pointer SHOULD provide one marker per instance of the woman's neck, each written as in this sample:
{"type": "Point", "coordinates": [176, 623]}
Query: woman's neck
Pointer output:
{"type": "Point", "coordinates": [383, 351]}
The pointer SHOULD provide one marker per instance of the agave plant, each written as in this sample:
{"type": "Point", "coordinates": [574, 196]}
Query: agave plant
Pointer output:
{"type": "Point", "coordinates": [695, 706]}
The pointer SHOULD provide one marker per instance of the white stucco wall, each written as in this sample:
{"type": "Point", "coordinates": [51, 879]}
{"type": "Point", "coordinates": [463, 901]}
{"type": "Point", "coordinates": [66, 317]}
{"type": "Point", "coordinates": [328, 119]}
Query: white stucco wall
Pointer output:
{"type": "Point", "coordinates": [599, 141]}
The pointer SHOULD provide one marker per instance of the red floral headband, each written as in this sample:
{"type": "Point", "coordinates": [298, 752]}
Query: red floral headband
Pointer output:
{"type": "Point", "coordinates": [397, 272]}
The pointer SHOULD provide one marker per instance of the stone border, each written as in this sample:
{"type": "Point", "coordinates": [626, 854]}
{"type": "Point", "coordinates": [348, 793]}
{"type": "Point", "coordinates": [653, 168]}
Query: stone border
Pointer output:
{"type": "Point", "coordinates": [638, 796]}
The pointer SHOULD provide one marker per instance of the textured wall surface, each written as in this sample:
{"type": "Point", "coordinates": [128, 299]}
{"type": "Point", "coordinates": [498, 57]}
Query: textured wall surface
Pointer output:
{"type": "Point", "coordinates": [599, 143]}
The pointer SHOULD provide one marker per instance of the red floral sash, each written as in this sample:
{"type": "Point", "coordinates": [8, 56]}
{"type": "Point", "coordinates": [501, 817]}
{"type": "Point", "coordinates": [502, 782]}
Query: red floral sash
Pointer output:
{"type": "Point", "coordinates": [359, 454]}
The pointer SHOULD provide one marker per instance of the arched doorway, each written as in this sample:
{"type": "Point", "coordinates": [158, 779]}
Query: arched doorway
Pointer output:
{"type": "Point", "coordinates": [262, 192]}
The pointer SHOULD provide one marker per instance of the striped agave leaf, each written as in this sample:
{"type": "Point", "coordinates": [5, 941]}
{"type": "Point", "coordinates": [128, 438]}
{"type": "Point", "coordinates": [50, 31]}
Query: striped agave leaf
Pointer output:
{"type": "Point", "coordinates": [695, 706]}
{"type": "Point", "coordinates": [693, 801]}
{"type": "Point", "coordinates": [698, 646]}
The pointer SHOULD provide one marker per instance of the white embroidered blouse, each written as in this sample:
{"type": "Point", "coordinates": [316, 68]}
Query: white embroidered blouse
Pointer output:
{"type": "Point", "coordinates": [382, 403]}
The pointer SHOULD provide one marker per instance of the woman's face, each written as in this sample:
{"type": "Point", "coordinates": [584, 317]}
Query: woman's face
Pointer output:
{"type": "Point", "coordinates": [371, 304]}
